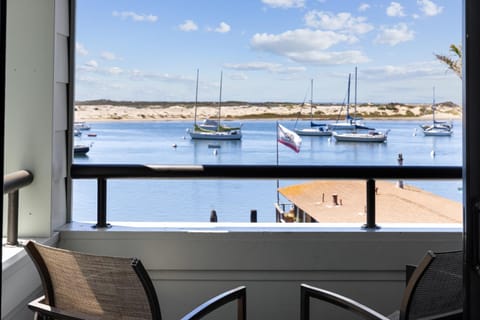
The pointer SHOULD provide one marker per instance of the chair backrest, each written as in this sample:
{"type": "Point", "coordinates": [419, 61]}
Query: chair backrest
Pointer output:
{"type": "Point", "coordinates": [109, 287]}
{"type": "Point", "coordinates": [435, 288]}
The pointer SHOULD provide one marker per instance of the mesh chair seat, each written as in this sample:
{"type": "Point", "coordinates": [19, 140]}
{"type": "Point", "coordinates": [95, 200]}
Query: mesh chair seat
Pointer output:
{"type": "Point", "coordinates": [82, 286]}
{"type": "Point", "coordinates": [434, 291]}
{"type": "Point", "coordinates": [439, 290]}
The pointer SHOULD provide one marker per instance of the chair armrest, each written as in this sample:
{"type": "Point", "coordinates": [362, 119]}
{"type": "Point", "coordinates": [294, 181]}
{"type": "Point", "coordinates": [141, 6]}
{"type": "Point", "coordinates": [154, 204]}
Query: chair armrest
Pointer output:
{"type": "Point", "coordinates": [359, 309]}
{"type": "Point", "coordinates": [38, 306]}
{"type": "Point", "coordinates": [214, 303]}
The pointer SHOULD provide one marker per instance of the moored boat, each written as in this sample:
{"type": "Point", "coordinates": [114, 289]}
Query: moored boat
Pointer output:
{"type": "Point", "coordinates": [215, 135]}
{"type": "Point", "coordinates": [350, 123]}
{"type": "Point", "coordinates": [81, 125]}
{"type": "Point", "coordinates": [213, 129]}
{"type": "Point", "coordinates": [80, 149]}
{"type": "Point", "coordinates": [315, 129]}
{"type": "Point", "coordinates": [437, 128]}
{"type": "Point", "coordinates": [370, 136]}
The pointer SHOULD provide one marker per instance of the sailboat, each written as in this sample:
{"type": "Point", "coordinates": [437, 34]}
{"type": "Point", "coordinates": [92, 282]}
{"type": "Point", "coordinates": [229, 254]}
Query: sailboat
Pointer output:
{"type": "Point", "coordinates": [349, 129]}
{"type": "Point", "coordinates": [213, 129]}
{"type": "Point", "coordinates": [316, 129]}
{"type": "Point", "coordinates": [350, 123]}
{"type": "Point", "coordinates": [437, 128]}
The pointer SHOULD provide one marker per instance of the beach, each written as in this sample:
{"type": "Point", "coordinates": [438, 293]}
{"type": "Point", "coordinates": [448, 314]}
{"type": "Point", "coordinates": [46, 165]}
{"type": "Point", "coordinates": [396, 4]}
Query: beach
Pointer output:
{"type": "Point", "coordinates": [185, 111]}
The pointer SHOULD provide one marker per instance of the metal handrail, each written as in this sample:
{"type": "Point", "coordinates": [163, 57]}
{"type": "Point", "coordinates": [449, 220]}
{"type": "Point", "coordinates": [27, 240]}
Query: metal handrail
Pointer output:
{"type": "Point", "coordinates": [131, 171]}
{"type": "Point", "coordinates": [102, 172]}
{"type": "Point", "coordinates": [12, 183]}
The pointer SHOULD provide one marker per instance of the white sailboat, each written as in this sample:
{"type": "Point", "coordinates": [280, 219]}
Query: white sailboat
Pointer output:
{"type": "Point", "coordinates": [369, 136]}
{"type": "Point", "coordinates": [350, 123]}
{"type": "Point", "coordinates": [213, 129]}
{"type": "Point", "coordinates": [352, 131]}
{"type": "Point", "coordinates": [437, 128]}
{"type": "Point", "coordinates": [315, 129]}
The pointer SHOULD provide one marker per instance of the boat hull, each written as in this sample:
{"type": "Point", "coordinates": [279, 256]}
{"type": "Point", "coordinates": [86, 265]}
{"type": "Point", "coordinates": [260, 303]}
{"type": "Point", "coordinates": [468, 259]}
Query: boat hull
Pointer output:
{"type": "Point", "coordinates": [347, 126]}
{"type": "Point", "coordinates": [313, 132]}
{"type": "Point", "coordinates": [81, 149]}
{"type": "Point", "coordinates": [437, 133]}
{"type": "Point", "coordinates": [360, 137]}
{"type": "Point", "coordinates": [216, 135]}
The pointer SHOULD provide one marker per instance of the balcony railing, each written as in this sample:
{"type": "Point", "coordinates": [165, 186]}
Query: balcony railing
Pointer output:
{"type": "Point", "coordinates": [12, 183]}
{"type": "Point", "coordinates": [103, 172]}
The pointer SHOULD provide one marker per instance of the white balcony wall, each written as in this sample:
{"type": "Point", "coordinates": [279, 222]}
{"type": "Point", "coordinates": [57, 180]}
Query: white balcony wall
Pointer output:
{"type": "Point", "coordinates": [37, 76]}
{"type": "Point", "coordinates": [190, 264]}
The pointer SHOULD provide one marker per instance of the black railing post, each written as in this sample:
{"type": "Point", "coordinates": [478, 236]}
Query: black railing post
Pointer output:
{"type": "Point", "coordinates": [12, 225]}
{"type": "Point", "coordinates": [101, 203]}
{"type": "Point", "coordinates": [370, 206]}
{"type": "Point", "coordinates": [253, 215]}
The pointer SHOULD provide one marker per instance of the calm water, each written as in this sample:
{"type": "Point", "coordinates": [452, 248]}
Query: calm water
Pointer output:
{"type": "Point", "coordinates": [188, 200]}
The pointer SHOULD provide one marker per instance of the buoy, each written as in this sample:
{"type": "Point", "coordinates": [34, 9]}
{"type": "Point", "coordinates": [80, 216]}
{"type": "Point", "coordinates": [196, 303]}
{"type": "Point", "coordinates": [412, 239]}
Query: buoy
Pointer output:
{"type": "Point", "coordinates": [432, 153]}
{"type": "Point", "coordinates": [174, 145]}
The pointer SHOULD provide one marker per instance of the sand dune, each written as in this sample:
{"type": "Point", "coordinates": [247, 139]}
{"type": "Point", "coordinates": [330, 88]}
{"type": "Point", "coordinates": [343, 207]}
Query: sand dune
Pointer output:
{"type": "Point", "coordinates": [164, 111]}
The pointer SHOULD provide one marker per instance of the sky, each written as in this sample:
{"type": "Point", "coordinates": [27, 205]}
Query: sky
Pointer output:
{"type": "Point", "coordinates": [266, 50]}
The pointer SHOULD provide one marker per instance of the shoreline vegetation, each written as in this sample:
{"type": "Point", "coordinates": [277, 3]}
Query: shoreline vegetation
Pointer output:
{"type": "Point", "coordinates": [109, 110]}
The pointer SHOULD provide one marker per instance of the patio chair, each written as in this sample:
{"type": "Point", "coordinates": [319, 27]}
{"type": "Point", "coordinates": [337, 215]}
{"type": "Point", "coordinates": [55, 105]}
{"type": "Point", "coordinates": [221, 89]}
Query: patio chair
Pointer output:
{"type": "Point", "coordinates": [84, 286]}
{"type": "Point", "coordinates": [434, 291]}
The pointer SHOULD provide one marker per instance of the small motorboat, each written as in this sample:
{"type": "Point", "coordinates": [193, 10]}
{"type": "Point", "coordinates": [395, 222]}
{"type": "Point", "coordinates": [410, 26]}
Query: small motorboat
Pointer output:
{"type": "Point", "coordinates": [81, 125]}
{"type": "Point", "coordinates": [80, 149]}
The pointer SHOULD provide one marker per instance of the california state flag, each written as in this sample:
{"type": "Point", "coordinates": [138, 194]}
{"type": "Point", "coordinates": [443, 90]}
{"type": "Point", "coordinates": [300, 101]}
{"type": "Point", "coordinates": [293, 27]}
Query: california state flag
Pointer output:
{"type": "Point", "coordinates": [288, 138]}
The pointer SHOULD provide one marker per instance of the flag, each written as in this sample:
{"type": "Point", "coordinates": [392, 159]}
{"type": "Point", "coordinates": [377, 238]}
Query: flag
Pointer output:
{"type": "Point", "coordinates": [288, 138]}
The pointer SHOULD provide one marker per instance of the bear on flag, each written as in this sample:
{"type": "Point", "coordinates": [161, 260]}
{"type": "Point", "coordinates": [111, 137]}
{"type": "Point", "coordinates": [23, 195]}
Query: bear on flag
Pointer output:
{"type": "Point", "coordinates": [288, 138]}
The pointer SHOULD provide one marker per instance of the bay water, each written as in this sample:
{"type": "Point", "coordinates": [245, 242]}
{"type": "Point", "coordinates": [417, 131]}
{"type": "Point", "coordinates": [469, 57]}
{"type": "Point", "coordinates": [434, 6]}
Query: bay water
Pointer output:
{"type": "Point", "coordinates": [167, 142]}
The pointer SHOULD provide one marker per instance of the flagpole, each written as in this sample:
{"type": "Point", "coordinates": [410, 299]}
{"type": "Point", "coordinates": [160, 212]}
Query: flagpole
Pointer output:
{"type": "Point", "coordinates": [278, 182]}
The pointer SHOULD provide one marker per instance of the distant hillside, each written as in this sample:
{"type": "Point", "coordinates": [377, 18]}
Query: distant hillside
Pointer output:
{"type": "Point", "coordinates": [166, 104]}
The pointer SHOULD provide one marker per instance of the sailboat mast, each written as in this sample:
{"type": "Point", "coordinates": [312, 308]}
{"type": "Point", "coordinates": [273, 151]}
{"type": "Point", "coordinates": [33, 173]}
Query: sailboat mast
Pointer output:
{"type": "Point", "coordinates": [220, 101]}
{"type": "Point", "coordinates": [348, 97]}
{"type": "Point", "coordinates": [311, 100]}
{"type": "Point", "coordinates": [433, 106]}
{"type": "Point", "coordinates": [355, 105]}
{"type": "Point", "coordinates": [196, 100]}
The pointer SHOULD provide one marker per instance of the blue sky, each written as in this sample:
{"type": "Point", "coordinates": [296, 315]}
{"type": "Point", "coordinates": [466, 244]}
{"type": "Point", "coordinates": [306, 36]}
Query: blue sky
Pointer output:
{"type": "Point", "coordinates": [268, 50]}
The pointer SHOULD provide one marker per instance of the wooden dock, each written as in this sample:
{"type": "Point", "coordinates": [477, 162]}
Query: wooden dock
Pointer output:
{"type": "Point", "coordinates": [345, 201]}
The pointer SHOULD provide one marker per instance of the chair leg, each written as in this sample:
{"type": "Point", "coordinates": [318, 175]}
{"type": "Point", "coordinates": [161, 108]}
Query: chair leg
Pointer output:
{"type": "Point", "coordinates": [242, 308]}
{"type": "Point", "coordinates": [38, 316]}
{"type": "Point", "coordinates": [304, 305]}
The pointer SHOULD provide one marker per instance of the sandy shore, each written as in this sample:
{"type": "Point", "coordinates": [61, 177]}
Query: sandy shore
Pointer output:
{"type": "Point", "coordinates": [164, 111]}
